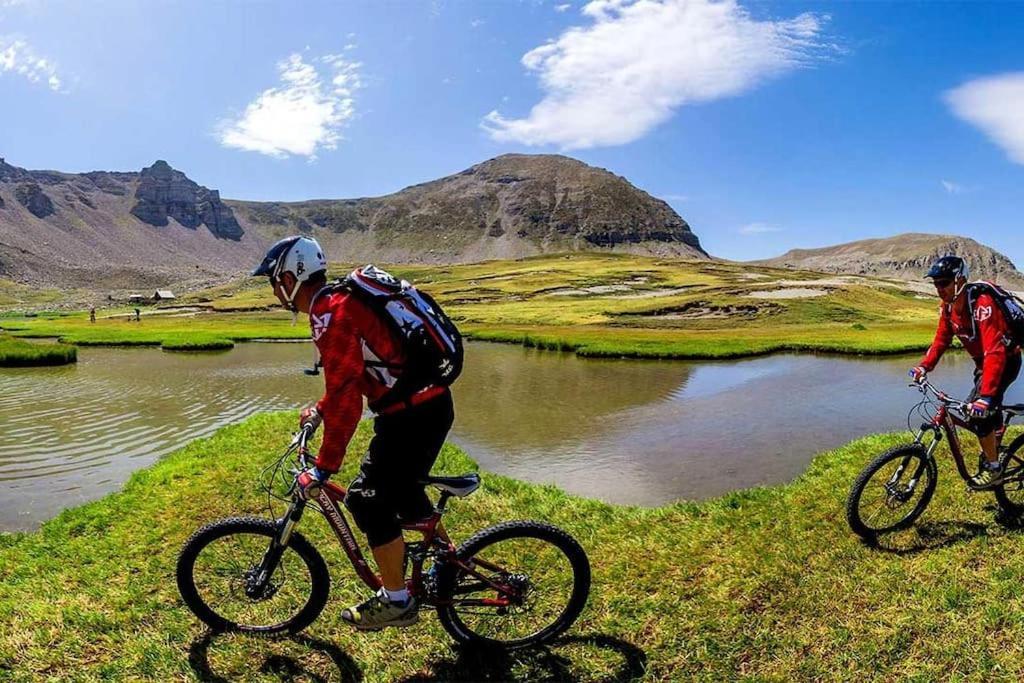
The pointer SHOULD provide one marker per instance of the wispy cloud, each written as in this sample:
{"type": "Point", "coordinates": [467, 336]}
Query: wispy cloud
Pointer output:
{"type": "Point", "coordinates": [563, 8]}
{"type": "Point", "coordinates": [18, 57]}
{"type": "Point", "coordinates": [676, 197]}
{"type": "Point", "coordinates": [477, 23]}
{"type": "Point", "coordinates": [995, 105]}
{"type": "Point", "coordinates": [637, 61]}
{"type": "Point", "coordinates": [758, 229]}
{"type": "Point", "coordinates": [303, 115]}
{"type": "Point", "coordinates": [951, 187]}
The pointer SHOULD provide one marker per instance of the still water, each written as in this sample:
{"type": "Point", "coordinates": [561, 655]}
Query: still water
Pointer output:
{"type": "Point", "coordinates": [626, 431]}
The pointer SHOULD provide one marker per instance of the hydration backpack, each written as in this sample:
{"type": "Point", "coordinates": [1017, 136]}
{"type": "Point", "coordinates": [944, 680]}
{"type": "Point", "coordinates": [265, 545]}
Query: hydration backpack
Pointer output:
{"type": "Point", "coordinates": [1010, 304]}
{"type": "Point", "coordinates": [432, 343]}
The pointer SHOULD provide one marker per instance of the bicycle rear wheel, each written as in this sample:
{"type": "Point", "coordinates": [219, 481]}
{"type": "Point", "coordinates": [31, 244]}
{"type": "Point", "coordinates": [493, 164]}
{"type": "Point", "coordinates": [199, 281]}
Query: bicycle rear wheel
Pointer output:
{"type": "Point", "coordinates": [217, 572]}
{"type": "Point", "coordinates": [1010, 494]}
{"type": "Point", "coordinates": [892, 491]}
{"type": "Point", "coordinates": [528, 584]}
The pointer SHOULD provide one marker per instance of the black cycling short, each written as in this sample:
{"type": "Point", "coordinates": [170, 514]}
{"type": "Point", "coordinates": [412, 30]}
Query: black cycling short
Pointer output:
{"type": "Point", "coordinates": [402, 451]}
{"type": "Point", "coordinates": [986, 425]}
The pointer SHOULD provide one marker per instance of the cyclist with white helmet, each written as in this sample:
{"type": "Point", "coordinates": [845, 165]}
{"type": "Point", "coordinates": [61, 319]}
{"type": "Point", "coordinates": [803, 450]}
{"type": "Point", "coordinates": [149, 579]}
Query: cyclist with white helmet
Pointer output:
{"type": "Point", "coordinates": [361, 356]}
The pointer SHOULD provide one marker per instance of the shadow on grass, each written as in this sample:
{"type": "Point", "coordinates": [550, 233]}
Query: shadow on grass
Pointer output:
{"type": "Point", "coordinates": [534, 664]}
{"type": "Point", "coordinates": [281, 667]}
{"type": "Point", "coordinates": [930, 535]}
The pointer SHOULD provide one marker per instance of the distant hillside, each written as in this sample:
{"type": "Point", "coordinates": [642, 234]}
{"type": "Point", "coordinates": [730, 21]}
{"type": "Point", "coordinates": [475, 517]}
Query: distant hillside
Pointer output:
{"type": "Point", "coordinates": [111, 231]}
{"type": "Point", "coordinates": [116, 231]}
{"type": "Point", "coordinates": [904, 256]}
{"type": "Point", "coordinates": [512, 206]}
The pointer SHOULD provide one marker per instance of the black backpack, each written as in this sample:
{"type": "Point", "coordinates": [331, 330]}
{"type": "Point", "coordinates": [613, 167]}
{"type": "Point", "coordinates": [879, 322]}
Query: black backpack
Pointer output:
{"type": "Point", "coordinates": [431, 341]}
{"type": "Point", "coordinates": [1010, 304]}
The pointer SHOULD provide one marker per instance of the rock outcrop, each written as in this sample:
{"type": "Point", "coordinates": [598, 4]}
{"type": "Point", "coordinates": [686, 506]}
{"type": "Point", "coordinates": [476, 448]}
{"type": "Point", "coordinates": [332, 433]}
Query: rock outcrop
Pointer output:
{"type": "Point", "coordinates": [164, 193]}
{"type": "Point", "coordinates": [32, 197]}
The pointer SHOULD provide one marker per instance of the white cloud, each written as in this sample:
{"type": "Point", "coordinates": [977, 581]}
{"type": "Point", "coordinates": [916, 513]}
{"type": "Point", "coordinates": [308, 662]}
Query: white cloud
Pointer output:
{"type": "Point", "coordinates": [477, 23]}
{"type": "Point", "coordinates": [995, 105]}
{"type": "Point", "coordinates": [16, 56]}
{"type": "Point", "coordinates": [612, 81]}
{"type": "Point", "coordinates": [304, 114]}
{"type": "Point", "coordinates": [951, 187]}
{"type": "Point", "coordinates": [758, 229]}
{"type": "Point", "coordinates": [563, 8]}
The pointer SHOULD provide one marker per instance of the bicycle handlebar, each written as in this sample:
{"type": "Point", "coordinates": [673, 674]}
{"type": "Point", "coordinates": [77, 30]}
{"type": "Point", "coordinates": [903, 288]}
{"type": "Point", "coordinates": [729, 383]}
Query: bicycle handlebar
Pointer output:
{"type": "Point", "coordinates": [924, 386]}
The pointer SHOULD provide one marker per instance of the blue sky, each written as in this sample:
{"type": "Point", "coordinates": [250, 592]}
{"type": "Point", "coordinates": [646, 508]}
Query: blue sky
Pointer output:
{"type": "Point", "coordinates": [766, 125]}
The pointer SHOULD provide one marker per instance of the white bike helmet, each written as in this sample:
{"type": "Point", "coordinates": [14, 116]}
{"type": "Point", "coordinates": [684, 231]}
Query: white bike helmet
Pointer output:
{"type": "Point", "coordinates": [300, 256]}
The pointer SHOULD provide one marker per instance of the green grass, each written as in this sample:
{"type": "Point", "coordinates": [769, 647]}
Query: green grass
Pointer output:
{"type": "Point", "coordinates": [20, 353]}
{"type": "Point", "coordinates": [161, 328]}
{"type": "Point", "coordinates": [764, 584]}
{"type": "Point", "coordinates": [593, 304]}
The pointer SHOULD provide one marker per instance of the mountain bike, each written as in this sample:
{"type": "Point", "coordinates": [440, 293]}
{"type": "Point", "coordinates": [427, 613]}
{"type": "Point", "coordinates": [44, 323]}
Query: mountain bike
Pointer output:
{"type": "Point", "coordinates": [896, 487]}
{"type": "Point", "coordinates": [515, 584]}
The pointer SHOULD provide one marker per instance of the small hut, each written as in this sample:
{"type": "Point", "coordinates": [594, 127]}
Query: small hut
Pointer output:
{"type": "Point", "coordinates": [135, 298]}
{"type": "Point", "coordinates": [163, 295]}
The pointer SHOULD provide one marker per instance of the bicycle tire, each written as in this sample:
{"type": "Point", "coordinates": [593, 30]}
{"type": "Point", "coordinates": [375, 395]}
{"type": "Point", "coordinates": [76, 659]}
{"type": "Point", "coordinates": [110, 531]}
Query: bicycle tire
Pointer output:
{"type": "Point", "coordinates": [853, 516]}
{"type": "Point", "coordinates": [449, 575]}
{"type": "Point", "coordinates": [1004, 495]}
{"type": "Point", "coordinates": [319, 582]}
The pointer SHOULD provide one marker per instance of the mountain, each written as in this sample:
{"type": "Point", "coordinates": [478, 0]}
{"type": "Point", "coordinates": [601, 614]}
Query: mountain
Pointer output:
{"type": "Point", "coordinates": [904, 256]}
{"type": "Point", "coordinates": [138, 230]}
{"type": "Point", "coordinates": [116, 231]}
{"type": "Point", "coordinates": [511, 206]}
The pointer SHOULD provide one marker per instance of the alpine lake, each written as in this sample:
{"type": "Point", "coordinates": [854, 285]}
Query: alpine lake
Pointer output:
{"type": "Point", "coordinates": [630, 432]}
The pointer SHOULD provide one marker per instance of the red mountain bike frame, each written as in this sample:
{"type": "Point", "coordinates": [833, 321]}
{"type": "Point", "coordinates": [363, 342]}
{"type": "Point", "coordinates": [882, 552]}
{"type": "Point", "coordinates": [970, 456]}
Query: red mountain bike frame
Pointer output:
{"type": "Point", "coordinates": [944, 421]}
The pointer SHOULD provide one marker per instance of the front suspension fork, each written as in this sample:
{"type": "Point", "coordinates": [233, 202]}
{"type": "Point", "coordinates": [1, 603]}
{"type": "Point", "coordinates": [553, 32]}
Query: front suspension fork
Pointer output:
{"type": "Point", "coordinates": [271, 558]}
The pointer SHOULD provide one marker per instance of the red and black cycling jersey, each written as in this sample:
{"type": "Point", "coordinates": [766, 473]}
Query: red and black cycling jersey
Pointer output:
{"type": "Point", "coordinates": [360, 357]}
{"type": "Point", "coordinates": [984, 333]}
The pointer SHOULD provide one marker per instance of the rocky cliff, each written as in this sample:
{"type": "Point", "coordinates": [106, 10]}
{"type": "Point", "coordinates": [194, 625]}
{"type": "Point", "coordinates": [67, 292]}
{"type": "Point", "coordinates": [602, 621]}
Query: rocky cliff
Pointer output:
{"type": "Point", "coordinates": [163, 193]}
{"type": "Point", "coordinates": [906, 256]}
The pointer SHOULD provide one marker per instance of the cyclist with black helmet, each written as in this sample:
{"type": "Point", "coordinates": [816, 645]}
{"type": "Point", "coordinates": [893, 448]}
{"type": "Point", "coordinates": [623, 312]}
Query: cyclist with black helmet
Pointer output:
{"type": "Point", "coordinates": [361, 357]}
{"type": "Point", "coordinates": [980, 325]}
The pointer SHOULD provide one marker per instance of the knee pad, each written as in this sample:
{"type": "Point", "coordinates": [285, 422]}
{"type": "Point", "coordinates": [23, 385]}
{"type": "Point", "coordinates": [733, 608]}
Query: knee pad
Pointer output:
{"type": "Point", "coordinates": [986, 425]}
{"type": "Point", "coordinates": [373, 517]}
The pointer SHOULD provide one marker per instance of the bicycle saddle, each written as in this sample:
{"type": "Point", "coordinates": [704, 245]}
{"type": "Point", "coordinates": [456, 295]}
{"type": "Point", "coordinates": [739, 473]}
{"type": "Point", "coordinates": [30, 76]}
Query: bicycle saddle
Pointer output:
{"type": "Point", "coordinates": [1015, 409]}
{"type": "Point", "coordinates": [457, 486]}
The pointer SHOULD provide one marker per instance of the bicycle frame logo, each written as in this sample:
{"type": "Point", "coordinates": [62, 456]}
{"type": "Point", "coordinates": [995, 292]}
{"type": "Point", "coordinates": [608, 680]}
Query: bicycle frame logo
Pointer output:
{"type": "Point", "coordinates": [332, 495]}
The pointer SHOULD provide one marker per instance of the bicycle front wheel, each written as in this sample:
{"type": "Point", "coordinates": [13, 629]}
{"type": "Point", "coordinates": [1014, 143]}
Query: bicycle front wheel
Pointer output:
{"type": "Point", "coordinates": [892, 491]}
{"type": "Point", "coordinates": [218, 577]}
{"type": "Point", "coordinates": [525, 584]}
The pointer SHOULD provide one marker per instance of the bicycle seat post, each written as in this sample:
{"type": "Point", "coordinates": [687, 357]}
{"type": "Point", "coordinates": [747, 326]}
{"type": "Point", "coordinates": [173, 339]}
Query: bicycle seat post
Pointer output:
{"type": "Point", "coordinates": [442, 501]}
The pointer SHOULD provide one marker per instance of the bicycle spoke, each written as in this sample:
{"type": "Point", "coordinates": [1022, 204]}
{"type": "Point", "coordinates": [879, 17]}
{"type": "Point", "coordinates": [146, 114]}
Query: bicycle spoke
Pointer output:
{"type": "Point", "coordinates": [539, 577]}
{"type": "Point", "coordinates": [224, 570]}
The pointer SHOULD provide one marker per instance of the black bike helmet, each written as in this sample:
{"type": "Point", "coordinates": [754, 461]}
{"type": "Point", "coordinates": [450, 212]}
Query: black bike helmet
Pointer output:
{"type": "Point", "coordinates": [949, 268]}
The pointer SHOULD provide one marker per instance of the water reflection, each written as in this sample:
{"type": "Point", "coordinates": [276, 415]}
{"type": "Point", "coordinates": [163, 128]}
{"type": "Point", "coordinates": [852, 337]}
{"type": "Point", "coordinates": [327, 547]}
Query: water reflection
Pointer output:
{"type": "Point", "coordinates": [641, 432]}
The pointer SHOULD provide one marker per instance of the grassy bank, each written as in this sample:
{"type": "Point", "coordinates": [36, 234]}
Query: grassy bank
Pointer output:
{"type": "Point", "coordinates": [169, 329]}
{"type": "Point", "coordinates": [19, 353]}
{"type": "Point", "coordinates": [761, 584]}
{"type": "Point", "coordinates": [593, 304]}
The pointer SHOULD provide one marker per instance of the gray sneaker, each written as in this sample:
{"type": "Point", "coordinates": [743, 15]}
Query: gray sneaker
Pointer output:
{"type": "Point", "coordinates": [379, 612]}
{"type": "Point", "coordinates": [988, 475]}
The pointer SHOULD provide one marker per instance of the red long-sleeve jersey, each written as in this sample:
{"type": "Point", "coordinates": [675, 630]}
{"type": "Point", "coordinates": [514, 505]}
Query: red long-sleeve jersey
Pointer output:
{"type": "Point", "coordinates": [352, 340]}
{"type": "Point", "coordinates": [984, 333]}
